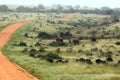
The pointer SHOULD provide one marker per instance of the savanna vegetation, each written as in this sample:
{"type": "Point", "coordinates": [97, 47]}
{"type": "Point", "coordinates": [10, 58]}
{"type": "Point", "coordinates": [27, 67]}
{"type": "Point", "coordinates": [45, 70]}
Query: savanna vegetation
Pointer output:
{"type": "Point", "coordinates": [55, 46]}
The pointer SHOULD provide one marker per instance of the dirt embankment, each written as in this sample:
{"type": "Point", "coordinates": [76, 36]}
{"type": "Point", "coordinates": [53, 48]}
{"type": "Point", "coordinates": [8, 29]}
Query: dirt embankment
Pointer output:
{"type": "Point", "coordinates": [8, 70]}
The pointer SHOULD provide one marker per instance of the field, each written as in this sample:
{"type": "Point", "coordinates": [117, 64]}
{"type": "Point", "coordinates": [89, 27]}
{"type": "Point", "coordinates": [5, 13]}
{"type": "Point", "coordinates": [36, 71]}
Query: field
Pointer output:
{"type": "Point", "coordinates": [44, 28]}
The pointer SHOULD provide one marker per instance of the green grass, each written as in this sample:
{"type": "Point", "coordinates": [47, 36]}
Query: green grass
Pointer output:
{"type": "Point", "coordinates": [69, 71]}
{"type": "Point", "coordinates": [47, 71]}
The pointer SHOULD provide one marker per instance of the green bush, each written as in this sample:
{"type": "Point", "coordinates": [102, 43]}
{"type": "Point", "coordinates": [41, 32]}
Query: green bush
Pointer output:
{"type": "Point", "coordinates": [109, 53]}
{"type": "Point", "coordinates": [22, 44]}
{"type": "Point", "coordinates": [50, 60]}
{"type": "Point", "coordinates": [53, 56]}
{"type": "Point", "coordinates": [55, 44]}
{"type": "Point", "coordinates": [25, 50]}
{"type": "Point", "coordinates": [50, 57]}
{"type": "Point", "coordinates": [44, 35]}
{"type": "Point", "coordinates": [37, 44]}
{"type": "Point", "coordinates": [33, 52]}
{"type": "Point", "coordinates": [93, 39]}
{"type": "Point", "coordinates": [117, 43]}
{"type": "Point", "coordinates": [109, 59]}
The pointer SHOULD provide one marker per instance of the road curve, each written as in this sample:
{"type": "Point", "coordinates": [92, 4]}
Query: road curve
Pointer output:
{"type": "Point", "coordinates": [9, 70]}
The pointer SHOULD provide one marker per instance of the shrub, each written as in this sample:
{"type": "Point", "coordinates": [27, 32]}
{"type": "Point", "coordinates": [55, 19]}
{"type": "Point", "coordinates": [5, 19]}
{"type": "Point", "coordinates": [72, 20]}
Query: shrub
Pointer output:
{"type": "Point", "coordinates": [79, 51]}
{"type": "Point", "coordinates": [93, 39]}
{"type": "Point", "coordinates": [33, 52]}
{"type": "Point", "coordinates": [119, 61]}
{"type": "Point", "coordinates": [41, 49]}
{"type": "Point", "coordinates": [98, 61]}
{"type": "Point", "coordinates": [109, 59]}
{"type": "Point", "coordinates": [82, 59]}
{"type": "Point", "coordinates": [58, 50]}
{"type": "Point", "coordinates": [26, 35]}
{"type": "Point", "coordinates": [55, 44]}
{"type": "Point", "coordinates": [88, 61]}
{"type": "Point", "coordinates": [53, 56]}
{"type": "Point", "coordinates": [44, 35]}
{"type": "Point", "coordinates": [37, 44]}
{"type": "Point", "coordinates": [41, 56]}
{"type": "Point", "coordinates": [22, 44]}
{"type": "Point", "coordinates": [117, 43]}
{"type": "Point", "coordinates": [109, 53]}
{"type": "Point", "coordinates": [66, 34]}
{"type": "Point", "coordinates": [25, 50]}
{"type": "Point", "coordinates": [50, 60]}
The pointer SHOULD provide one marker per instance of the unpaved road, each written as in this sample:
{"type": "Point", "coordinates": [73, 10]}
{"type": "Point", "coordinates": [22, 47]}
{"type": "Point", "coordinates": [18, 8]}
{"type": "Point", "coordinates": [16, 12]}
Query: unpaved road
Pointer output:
{"type": "Point", "coordinates": [8, 70]}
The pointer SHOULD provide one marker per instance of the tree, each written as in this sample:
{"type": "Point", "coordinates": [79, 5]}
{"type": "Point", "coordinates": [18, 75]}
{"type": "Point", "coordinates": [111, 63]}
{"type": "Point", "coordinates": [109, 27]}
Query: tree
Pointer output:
{"type": "Point", "coordinates": [41, 6]}
{"type": "Point", "coordinates": [20, 9]}
{"type": "Point", "coordinates": [44, 35]}
{"type": "Point", "coordinates": [4, 8]}
{"type": "Point", "coordinates": [22, 44]}
{"type": "Point", "coordinates": [109, 53]}
{"type": "Point", "coordinates": [109, 12]}
{"type": "Point", "coordinates": [26, 35]}
{"type": "Point", "coordinates": [114, 19]}
{"type": "Point", "coordinates": [23, 9]}
{"type": "Point", "coordinates": [105, 8]}
{"type": "Point", "coordinates": [60, 8]}
{"type": "Point", "coordinates": [77, 7]}
{"type": "Point", "coordinates": [93, 39]}
{"type": "Point", "coordinates": [85, 7]}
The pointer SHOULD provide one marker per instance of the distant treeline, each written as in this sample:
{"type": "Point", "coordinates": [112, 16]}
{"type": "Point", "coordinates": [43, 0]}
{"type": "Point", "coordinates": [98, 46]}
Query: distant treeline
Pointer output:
{"type": "Point", "coordinates": [63, 9]}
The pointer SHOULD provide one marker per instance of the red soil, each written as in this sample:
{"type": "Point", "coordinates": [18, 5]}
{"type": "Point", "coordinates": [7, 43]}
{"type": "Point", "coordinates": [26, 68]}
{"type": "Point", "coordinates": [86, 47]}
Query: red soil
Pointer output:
{"type": "Point", "coordinates": [8, 70]}
{"type": "Point", "coordinates": [71, 15]}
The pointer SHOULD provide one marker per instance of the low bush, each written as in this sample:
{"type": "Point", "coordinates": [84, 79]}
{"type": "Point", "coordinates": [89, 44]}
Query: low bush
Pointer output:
{"type": "Point", "coordinates": [45, 35]}
{"type": "Point", "coordinates": [25, 50]}
{"type": "Point", "coordinates": [93, 39]}
{"type": "Point", "coordinates": [117, 43]}
{"type": "Point", "coordinates": [37, 44]}
{"type": "Point", "coordinates": [22, 44]}
{"type": "Point", "coordinates": [55, 44]}
{"type": "Point", "coordinates": [53, 56]}
{"type": "Point", "coordinates": [33, 52]}
{"type": "Point", "coordinates": [109, 59]}
{"type": "Point", "coordinates": [50, 60]}
{"type": "Point", "coordinates": [109, 53]}
{"type": "Point", "coordinates": [41, 49]}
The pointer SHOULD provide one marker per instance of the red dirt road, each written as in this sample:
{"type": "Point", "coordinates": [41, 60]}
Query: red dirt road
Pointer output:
{"type": "Point", "coordinates": [8, 70]}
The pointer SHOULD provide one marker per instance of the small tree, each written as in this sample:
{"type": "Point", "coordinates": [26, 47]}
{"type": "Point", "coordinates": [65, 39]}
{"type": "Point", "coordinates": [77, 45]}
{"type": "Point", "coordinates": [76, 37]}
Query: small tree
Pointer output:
{"type": "Point", "coordinates": [33, 52]}
{"type": "Point", "coordinates": [22, 44]}
{"type": "Point", "coordinates": [58, 50]}
{"type": "Point", "coordinates": [25, 50]}
{"type": "Point", "coordinates": [55, 44]}
{"type": "Point", "coordinates": [93, 39]}
{"type": "Point", "coordinates": [37, 44]}
{"type": "Point", "coordinates": [109, 53]}
{"type": "Point", "coordinates": [41, 49]}
{"type": "Point", "coordinates": [26, 35]}
{"type": "Point", "coordinates": [117, 43]}
{"type": "Point", "coordinates": [109, 59]}
{"type": "Point", "coordinates": [51, 55]}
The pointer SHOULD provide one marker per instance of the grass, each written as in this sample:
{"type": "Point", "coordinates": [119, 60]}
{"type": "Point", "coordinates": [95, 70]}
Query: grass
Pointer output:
{"type": "Point", "coordinates": [69, 71]}
{"type": "Point", "coordinates": [47, 71]}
